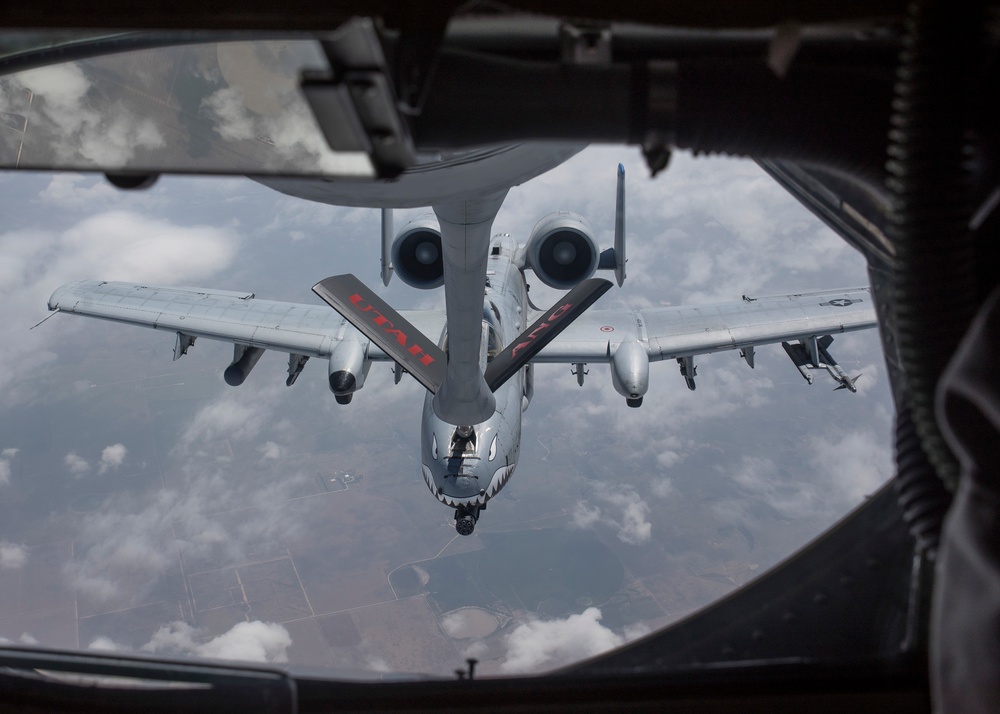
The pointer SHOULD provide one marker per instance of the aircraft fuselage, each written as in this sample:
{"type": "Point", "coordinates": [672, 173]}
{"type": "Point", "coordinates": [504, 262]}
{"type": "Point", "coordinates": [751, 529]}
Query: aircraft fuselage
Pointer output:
{"type": "Point", "coordinates": [465, 466]}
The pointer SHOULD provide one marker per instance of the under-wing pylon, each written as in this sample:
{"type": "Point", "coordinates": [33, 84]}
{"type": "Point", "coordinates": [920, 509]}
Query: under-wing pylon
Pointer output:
{"type": "Point", "coordinates": [812, 353]}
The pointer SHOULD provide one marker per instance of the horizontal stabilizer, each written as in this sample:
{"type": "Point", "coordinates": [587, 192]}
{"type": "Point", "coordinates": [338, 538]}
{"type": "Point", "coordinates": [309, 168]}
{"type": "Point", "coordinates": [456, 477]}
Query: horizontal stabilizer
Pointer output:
{"type": "Point", "coordinates": [553, 321]}
{"type": "Point", "coordinates": [410, 348]}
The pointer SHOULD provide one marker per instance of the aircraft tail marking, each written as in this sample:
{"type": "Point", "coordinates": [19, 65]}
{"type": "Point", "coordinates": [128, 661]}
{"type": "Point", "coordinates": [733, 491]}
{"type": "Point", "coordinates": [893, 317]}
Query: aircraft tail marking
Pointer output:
{"type": "Point", "coordinates": [373, 317]}
{"type": "Point", "coordinates": [553, 321]}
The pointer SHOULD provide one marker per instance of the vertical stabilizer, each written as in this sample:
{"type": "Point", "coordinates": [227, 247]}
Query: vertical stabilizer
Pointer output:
{"type": "Point", "coordinates": [620, 228]}
{"type": "Point", "coordinates": [614, 258]}
{"type": "Point", "coordinates": [387, 246]}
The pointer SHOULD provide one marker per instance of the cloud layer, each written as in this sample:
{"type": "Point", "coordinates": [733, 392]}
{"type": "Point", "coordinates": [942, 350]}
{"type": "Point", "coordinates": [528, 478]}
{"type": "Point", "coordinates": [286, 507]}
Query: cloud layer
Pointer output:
{"type": "Point", "coordinates": [254, 641]}
{"type": "Point", "coordinates": [111, 243]}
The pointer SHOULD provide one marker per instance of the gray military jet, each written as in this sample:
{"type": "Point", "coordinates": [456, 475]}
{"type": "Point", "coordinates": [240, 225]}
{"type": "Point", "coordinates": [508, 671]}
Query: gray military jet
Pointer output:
{"type": "Point", "coordinates": [476, 357]}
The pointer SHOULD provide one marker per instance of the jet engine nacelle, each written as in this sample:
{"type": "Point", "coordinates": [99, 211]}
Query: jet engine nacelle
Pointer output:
{"type": "Point", "coordinates": [416, 253]}
{"type": "Point", "coordinates": [349, 365]}
{"type": "Point", "coordinates": [562, 250]}
{"type": "Point", "coordinates": [630, 372]}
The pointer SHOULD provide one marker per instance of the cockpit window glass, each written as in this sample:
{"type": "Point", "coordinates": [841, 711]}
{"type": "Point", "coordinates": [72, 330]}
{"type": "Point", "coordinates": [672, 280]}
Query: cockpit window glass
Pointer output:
{"type": "Point", "coordinates": [213, 107]}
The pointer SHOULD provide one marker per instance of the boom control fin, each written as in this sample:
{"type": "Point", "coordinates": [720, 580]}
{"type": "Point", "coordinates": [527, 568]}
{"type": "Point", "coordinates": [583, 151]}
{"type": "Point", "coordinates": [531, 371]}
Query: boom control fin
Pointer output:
{"type": "Point", "coordinates": [553, 321]}
{"type": "Point", "coordinates": [374, 318]}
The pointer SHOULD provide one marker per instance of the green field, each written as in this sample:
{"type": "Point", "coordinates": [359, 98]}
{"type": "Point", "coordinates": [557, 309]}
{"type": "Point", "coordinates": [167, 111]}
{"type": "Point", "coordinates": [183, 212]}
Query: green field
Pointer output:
{"type": "Point", "coordinates": [549, 570]}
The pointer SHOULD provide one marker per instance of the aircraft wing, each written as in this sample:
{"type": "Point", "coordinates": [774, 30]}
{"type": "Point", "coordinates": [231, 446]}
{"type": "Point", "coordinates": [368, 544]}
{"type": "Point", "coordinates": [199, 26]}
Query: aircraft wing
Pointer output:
{"type": "Point", "coordinates": [237, 317]}
{"type": "Point", "coordinates": [803, 322]}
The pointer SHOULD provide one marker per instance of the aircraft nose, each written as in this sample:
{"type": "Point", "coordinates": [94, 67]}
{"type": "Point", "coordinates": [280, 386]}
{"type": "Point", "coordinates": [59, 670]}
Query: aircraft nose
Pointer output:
{"type": "Point", "coordinates": [465, 486]}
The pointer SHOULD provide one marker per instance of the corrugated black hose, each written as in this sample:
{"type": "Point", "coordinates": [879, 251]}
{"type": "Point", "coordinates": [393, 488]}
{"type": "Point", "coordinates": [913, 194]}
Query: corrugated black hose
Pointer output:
{"type": "Point", "coordinates": [930, 179]}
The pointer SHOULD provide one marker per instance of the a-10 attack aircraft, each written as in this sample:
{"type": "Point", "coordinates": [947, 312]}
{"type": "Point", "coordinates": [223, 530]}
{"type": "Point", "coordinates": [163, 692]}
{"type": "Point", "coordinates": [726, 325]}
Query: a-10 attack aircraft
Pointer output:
{"type": "Point", "coordinates": [476, 361]}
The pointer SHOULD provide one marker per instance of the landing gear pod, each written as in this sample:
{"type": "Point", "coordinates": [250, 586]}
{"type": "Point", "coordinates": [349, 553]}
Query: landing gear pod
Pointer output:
{"type": "Point", "coordinates": [630, 372]}
{"type": "Point", "coordinates": [348, 368]}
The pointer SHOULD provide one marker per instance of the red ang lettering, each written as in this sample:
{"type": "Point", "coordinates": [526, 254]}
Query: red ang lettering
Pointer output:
{"type": "Point", "coordinates": [530, 338]}
{"type": "Point", "coordinates": [556, 314]}
{"type": "Point", "coordinates": [560, 312]}
{"type": "Point", "coordinates": [518, 348]}
{"type": "Point", "coordinates": [534, 333]}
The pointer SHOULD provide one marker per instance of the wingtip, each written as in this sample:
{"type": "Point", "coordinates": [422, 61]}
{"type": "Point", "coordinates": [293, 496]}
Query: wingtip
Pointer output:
{"type": "Point", "coordinates": [621, 170]}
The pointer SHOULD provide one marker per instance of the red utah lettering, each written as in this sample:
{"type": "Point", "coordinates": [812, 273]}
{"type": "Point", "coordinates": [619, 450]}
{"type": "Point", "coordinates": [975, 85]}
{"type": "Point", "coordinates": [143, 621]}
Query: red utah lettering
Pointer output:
{"type": "Point", "coordinates": [355, 299]}
{"type": "Point", "coordinates": [416, 350]}
{"type": "Point", "coordinates": [390, 329]}
{"type": "Point", "coordinates": [400, 336]}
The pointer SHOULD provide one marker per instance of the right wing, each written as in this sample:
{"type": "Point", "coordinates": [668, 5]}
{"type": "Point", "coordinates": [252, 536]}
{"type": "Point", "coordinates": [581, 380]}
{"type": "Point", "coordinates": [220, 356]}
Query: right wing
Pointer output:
{"type": "Point", "coordinates": [240, 318]}
{"type": "Point", "coordinates": [684, 332]}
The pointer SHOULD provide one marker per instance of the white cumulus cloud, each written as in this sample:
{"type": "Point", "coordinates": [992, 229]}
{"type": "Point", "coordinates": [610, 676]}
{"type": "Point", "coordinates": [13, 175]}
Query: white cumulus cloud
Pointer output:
{"type": "Point", "coordinates": [247, 641]}
{"type": "Point", "coordinates": [5, 469]}
{"type": "Point", "coordinates": [239, 414]}
{"type": "Point", "coordinates": [12, 555]}
{"type": "Point", "coordinates": [112, 457]}
{"type": "Point", "coordinates": [119, 244]}
{"type": "Point", "coordinates": [453, 623]}
{"type": "Point", "coordinates": [78, 133]}
{"type": "Point", "coordinates": [254, 641]}
{"type": "Point", "coordinates": [621, 507]}
{"type": "Point", "coordinates": [76, 464]}
{"type": "Point", "coordinates": [663, 487]}
{"type": "Point", "coordinates": [545, 644]}
{"type": "Point", "coordinates": [844, 468]}
{"type": "Point", "coordinates": [269, 450]}
{"type": "Point", "coordinates": [106, 644]}
{"type": "Point", "coordinates": [142, 534]}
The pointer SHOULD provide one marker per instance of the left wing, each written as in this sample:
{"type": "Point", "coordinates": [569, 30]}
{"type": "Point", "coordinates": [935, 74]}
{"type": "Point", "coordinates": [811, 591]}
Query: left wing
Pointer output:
{"type": "Point", "coordinates": [629, 340]}
{"type": "Point", "coordinates": [252, 325]}
{"type": "Point", "coordinates": [214, 314]}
